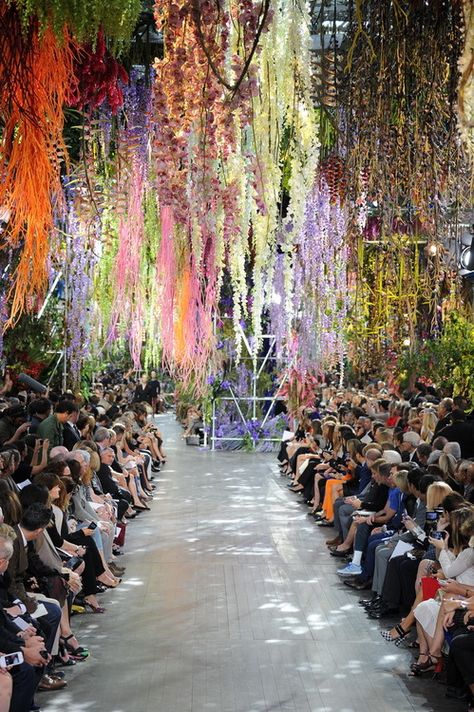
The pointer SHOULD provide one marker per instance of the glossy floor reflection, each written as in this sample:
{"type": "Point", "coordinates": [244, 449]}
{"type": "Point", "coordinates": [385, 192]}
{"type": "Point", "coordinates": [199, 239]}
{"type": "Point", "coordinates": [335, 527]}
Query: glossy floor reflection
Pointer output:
{"type": "Point", "coordinates": [231, 604]}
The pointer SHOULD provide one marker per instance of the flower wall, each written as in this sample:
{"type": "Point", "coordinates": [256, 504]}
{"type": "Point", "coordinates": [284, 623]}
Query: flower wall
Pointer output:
{"type": "Point", "coordinates": [218, 181]}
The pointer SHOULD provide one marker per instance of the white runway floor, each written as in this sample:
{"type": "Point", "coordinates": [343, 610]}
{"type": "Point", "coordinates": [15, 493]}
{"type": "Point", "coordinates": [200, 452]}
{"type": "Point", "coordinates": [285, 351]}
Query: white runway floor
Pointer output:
{"type": "Point", "coordinates": [230, 603]}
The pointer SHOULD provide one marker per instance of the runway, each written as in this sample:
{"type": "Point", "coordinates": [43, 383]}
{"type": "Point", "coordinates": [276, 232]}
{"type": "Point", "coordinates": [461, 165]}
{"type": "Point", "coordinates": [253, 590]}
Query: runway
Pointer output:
{"type": "Point", "coordinates": [230, 603]}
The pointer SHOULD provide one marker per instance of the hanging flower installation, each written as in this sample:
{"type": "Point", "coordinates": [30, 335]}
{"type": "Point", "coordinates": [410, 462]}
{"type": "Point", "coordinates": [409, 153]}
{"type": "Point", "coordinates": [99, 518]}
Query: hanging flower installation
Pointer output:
{"type": "Point", "coordinates": [404, 170]}
{"type": "Point", "coordinates": [206, 182]}
{"type": "Point", "coordinates": [80, 263]}
{"type": "Point", "coordinates": [321, 291]}
{"type": "Point", "coordinates": [116, 18]}
{"type": "Point", "coordinates": [400, 126]}
{"type": "Point", "coordinates": [218, 152]}
{"type": "Point", "coordinates": [98, 77]}
{"type": "Point", "coordinates": [196, 134]}
{"type": "Point", "coordinates": [133, 248]}
{"type": "Point", "coordinates": [35, 74]}
{"type": "Point", "coordinates": [43, 68]}
{"type": "Point", "coordinates": [466, 81]}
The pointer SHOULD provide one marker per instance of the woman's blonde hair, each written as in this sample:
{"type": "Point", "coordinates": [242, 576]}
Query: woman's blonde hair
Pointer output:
{"type": "Point", "coordinates": [328, 429]}
{"type": "Point", "coordinates": [460, 520]}
{"type": "Point", "coordinates": [435, 494]}
{"type": "Point", "coordinates": [401, 481]}
{"type": "Point", "coordinates": [428, 425]}
{"type": "Point", "coordinates": [447, 464]}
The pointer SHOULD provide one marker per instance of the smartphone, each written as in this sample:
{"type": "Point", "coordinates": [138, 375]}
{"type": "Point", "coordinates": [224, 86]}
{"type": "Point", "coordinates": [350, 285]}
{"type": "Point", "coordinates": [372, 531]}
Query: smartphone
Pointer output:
{"type": "Point", "coordinates": [11, 659]}
{"type": "Point", "coordinates": [438, 535]}
{"type": "Point", "coordinates": [92, 525]}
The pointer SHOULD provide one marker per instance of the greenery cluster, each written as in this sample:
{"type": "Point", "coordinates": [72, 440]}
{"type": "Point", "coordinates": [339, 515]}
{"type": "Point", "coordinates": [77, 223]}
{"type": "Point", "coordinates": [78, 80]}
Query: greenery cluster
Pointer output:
{"type": "Point", "coordinates": [84, 18]}
{"type": "Point", "coordinates": [447, 361]}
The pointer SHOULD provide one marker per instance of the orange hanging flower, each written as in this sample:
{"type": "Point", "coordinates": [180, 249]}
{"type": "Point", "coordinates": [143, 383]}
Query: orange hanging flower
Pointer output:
{"type": "Point", "coordinates": [35, 77]}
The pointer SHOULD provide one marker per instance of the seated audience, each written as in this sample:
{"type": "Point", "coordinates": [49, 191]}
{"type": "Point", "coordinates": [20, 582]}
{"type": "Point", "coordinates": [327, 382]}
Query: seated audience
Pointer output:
{"type": "Point", "coordinates": [68, 491]}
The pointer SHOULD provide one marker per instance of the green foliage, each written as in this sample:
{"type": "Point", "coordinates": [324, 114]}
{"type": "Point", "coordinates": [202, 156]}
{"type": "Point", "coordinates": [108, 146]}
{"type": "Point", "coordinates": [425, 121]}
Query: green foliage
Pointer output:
{"type": "Point", "coordinates": [84, 18]}
{"type": "Point", "coordinates": [248, 444]}
{"type": "Point", "coordinates": [447, 361]}
{"type": "Point", "coordinates": [32, 344]}
{"type": "Point", "coordinates": [456, 355]}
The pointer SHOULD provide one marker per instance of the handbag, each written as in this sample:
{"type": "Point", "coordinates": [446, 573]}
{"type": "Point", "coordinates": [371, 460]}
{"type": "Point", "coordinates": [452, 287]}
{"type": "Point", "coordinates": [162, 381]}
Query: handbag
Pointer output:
{"type": "Point", "coordinates": [54, 587]}
{"type": "Point", "coordinates": [430, 587]}
{"type": "Point", "coordinates": [120, 531]}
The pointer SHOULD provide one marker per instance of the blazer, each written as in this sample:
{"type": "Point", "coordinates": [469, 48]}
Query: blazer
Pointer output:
{"type": "Point", "coordinates": [50, 428]}
{"type": "Point", "coordinates": [47, 552]}
{"type": "Point", "coordinates": [71, 436]}
{"type": "Point", "coordinates": [82, 510]}
{"type": "Point", "coordinates": [25, 562]}
{"type": "Point", "coordinates": [17, 568]}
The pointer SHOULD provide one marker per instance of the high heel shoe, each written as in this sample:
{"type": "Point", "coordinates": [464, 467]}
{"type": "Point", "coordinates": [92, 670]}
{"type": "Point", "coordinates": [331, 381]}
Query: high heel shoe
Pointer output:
{"type": "Point", "coordinates": [78, 653]}
{"type": "Point", "coordinates": [434, 664]}
{"type": "Point", "coordinates": [63, 659]}
{"type": "Point", "coordinates": [141, 509]}
{"type": "Point", "coordinates": [94, 609]}
{"type": "Point", "coordinates": [402, 633]}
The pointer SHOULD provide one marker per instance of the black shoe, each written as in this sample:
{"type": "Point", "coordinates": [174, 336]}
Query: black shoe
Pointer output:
{"type": "Point", "coordinates": [340, 554]}
{"type": "Point", "coordinates": [363, 585]}
{"type": "Point", "coordinates": [457, 693]}
{"type": "Point", "coordinates": [381, 612]}
{"type": "Point", "coordinates": [370, 602]}
{"type": "Point", "coordinates": [355, 582]}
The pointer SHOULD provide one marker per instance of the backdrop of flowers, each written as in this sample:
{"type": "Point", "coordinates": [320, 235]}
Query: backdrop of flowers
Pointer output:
{"type": "Point", "coordinates": [224, 177]}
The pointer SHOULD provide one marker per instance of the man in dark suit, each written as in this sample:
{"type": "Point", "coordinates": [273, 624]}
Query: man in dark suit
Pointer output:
{"type": "Point", "coordinates": [460, 431]}
{"type": "Point", "coordinates": [33, 522]}
{"type": "Point", "coordinates": [26, 676]}
{"type": "Point", "coordinates": [445, 408]}
{"type": "Point", "coordinates": [410, 442]}
{"type": "Point", "coordinates": [121, 496]}
{"type": "Point", "coordinates": [71, 434]}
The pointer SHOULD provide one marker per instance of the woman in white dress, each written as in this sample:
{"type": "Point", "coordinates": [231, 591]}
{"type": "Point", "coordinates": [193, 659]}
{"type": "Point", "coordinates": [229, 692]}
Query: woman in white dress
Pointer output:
{"type": "Point", "coordinates": [457, 563]}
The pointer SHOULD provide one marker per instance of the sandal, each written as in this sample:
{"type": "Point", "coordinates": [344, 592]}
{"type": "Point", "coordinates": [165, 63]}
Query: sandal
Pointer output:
{"type": "Point", "coordinates": [94, 609]}
{"type": "Point", "coordinates": [402, 633]}
{"type": "Point", "coordinates": [432, 664]}
{"type": "Point", "coordinates": [78, 653]}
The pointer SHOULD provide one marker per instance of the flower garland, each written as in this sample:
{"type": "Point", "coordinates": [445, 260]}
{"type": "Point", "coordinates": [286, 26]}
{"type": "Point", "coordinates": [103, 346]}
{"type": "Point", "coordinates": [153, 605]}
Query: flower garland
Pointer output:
{"type": "Point", "coordinates": [399, 133]}
{"type": "Point", "coordinates": [35, 74]}
{"type": "Point", "coordinates": [83, 19]}
{"type": "Point", "coordinates": [322, 301]}
{"type": "Point", "coordinates": [198, 166]}
{"type": "Point", "coordinates": [82, 260]}
{"type": "Point", "coordinates": [98, 77]}
{"type": "Point", "coordinates": [218, 150]}
{"type": "Point", "coordinates": [466, 82]}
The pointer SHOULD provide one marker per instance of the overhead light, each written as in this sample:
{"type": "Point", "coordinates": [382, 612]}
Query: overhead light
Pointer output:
{"type": "Point", "coordinates": [406, 342]}
{"type": "Point", "coordinates": [467, 257]}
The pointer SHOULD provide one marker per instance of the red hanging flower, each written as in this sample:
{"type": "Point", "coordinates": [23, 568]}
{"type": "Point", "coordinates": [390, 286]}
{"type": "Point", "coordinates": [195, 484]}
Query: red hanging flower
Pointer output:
{"type": "Point", "coordinates": [98, 77]}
